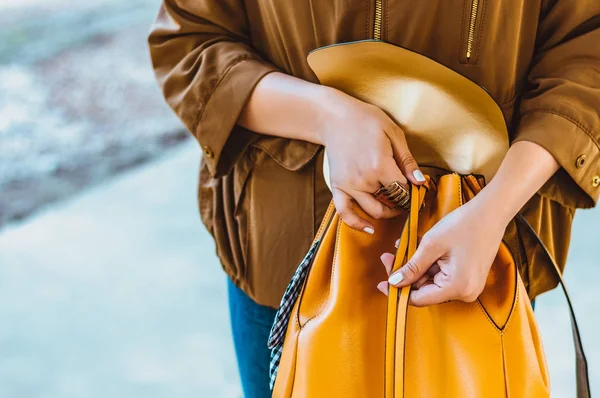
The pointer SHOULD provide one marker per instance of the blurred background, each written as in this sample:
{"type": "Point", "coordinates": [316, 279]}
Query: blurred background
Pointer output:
{"type": "Point", "coordinates": [109, 285]}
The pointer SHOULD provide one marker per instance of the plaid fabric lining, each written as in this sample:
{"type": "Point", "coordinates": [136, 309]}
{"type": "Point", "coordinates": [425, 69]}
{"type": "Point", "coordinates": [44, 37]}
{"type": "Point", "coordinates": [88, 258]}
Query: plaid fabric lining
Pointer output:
{"type": "Point", "coordinates": [282, 316]}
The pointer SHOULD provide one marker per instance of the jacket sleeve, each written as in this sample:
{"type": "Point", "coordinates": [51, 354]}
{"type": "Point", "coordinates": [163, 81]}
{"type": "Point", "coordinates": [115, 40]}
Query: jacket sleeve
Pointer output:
{"type": "Point", "coordinates": [207, 70]}
{"type": "Point", "coordinates": [560, 110]}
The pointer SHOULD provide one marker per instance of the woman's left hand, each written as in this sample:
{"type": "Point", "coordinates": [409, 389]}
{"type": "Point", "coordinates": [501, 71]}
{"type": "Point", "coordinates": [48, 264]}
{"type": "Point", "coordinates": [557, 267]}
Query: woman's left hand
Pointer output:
{"type": "Point", "coordinates": [453, 259]}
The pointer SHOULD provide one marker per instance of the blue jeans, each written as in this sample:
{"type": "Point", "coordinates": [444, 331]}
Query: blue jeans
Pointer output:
{"type": "Point", "coordinates": [251, 324]}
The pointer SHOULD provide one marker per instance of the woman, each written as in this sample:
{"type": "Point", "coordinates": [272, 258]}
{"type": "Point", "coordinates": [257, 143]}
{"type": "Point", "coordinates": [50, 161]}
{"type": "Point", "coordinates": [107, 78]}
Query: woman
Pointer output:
{"type": "Point", "coordinates": [236, 74]}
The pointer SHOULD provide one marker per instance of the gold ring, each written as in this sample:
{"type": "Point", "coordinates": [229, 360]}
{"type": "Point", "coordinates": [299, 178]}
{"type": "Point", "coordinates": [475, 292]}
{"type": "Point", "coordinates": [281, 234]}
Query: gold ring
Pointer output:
{"type": "Point", "coordinates": [394, 195]}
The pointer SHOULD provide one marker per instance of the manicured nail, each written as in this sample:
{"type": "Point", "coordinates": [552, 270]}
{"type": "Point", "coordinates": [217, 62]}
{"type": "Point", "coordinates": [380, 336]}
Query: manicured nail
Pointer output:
{"type": "Point", "coordinates": [396, 278]}
{"type": "Point", "coordinates": [397, 243]}
{"type": "Point", "coordinates": [383, 287]}
{"type": "Point", "coordinates": [369, 230]}
{"type": "Point", "coordinates": [419, 176]}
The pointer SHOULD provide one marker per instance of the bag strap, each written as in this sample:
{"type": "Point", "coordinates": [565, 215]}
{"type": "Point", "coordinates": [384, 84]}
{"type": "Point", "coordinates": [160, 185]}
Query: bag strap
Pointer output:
{"type": "Point", "coordinates": [398, 301]}
{"type": "Point", "coordinates": [581, 367]}
{"type": "Point", "coordinates": [583, 382]}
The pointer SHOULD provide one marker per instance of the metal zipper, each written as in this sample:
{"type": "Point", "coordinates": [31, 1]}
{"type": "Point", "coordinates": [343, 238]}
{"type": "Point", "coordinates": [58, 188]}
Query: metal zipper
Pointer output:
{"type": "Point", "coordinates": [377, 20]}
{"type": "Point", "coordinates": [471, 38]}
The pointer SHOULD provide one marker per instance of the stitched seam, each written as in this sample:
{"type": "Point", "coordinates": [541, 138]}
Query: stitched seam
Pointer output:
{"type": "Point", "coordinates": [301, 295]}
{"type": "Point", "coordinates": [214, 88]}
{"type": "Point", "coordinates": [481, 307]}
{"type": "Point", "coordinates": [515, 294]}
{"type": "Point", "coordinates": [387, 19]}
{"type": "Point", "coordinates": [297, 316]}
{"type": "Point", "coordinates": [295, 364]}
{"type": "Point", "coordinates": [403, 337]}
{"type": "Point", "coordinates": [385, 346]}
{"type": "Point", "coordinates": [368, 19]}
{"type": "Point", "coordinates": [327, 215]}
{"type": "Point", "coordinates": [567, 117]}
{"type": "Point", "coordinates": [460, 197]}
{"type": "Point", "coordinates": [274, 157]}
{"type": "Point", "coordinates": [517, 299]}
{"type": "Point", "coordinates": [462, 35]}
{"type": "Point", "coordinates": [487, 316]}
{"type": "Point", "coordinates": [479, 37]}
{"type": "Point", "coordinates": [404, 352]}
{"type": "Point", "coordinates": [335, 254]}
{"type": "Point", "coordinates": [393, 346]}
{"type": "Point", "coordinates": [516, 280]}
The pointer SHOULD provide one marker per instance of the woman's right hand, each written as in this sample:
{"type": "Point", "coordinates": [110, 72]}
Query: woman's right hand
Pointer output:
{"type": "Point", "coordinates": [366, 149]}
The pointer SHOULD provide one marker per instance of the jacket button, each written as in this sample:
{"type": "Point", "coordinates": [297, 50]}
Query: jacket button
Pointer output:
{"type": "Point", "coordinates": [596, 181]}
{"type": "Point", "coordinates": [208, 152]}
{"type": "Point", "coordinates": [580, 161]}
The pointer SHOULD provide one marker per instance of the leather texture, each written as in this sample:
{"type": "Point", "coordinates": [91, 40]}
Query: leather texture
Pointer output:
{"type": "Point", "coordinates": [346, 339]}
{"type": "Point", "coordinates": [450, 122]}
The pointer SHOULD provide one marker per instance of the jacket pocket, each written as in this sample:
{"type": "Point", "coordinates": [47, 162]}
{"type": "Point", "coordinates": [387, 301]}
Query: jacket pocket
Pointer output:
{"type": "Point", "coordinates": [292, 155]}
{"type": "Point", "coordinates": [472, 30]}
{"type": "Point", "coordinates": [275, 215]}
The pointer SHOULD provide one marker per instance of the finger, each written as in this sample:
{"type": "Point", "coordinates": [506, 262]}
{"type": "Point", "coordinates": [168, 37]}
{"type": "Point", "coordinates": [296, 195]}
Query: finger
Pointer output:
{"type": "Point", "coordinates": [433, 270]}
{"type": "Point", "coordinates": [428, 277]}
{"type": "Point", "coordinates": [404, 158]}
{"type": "Point", "coordinates": [391, 173]}
{"type": "Point", "coordinates": [425, 256]}
{"type": "Point", "coordinates": [438, 291]}
{"type": "Point", "coordinates": [429, 294]}
{"type": "Point", "coordinates": [388, 261]}
{"type": "Point", "coordinates": [422, 281]}
{"type": "Point", "coordinates": [383, 287]}
{"type": "Point", "coordinates": [373, 207]}
{"type": "Point", "coordinates": [345, 208]}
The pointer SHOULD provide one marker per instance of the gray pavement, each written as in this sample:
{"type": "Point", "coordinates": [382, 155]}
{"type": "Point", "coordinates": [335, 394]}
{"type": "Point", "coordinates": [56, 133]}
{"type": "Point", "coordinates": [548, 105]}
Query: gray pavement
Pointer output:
{"type": "Point", "coordinates": [78, 99]}
{"type": "Point", "coordinates": [118, 293]}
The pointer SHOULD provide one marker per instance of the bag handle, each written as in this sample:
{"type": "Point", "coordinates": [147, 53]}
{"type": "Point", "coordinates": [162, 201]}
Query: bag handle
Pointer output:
{"type": "Point", "coordinates": [581, 367]}
{"type": "Point", "coordinates": [398, 299]}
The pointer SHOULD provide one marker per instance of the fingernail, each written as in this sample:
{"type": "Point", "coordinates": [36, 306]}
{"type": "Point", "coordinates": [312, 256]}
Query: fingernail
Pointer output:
{"type": "Point", "coordinates": [383, 287]}
{"type": "Point", "coordinates": [369, 230]}
{"type": "Point", "coordinates": [396, 278]}
{"type": "Point", "coordinates": [419, 176]}
{"type": "Point", "coordinates": [397, 243]}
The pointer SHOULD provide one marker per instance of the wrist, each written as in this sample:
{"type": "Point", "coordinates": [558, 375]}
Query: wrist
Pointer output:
{"type": "Point", "coordinates": [526, 167]}
{"type": "Point", "coordinates": [332, 108]}
{"type": "Point", "coordinates": [322, 113]}
{"type": "Point", "coordinates": [495, 207]}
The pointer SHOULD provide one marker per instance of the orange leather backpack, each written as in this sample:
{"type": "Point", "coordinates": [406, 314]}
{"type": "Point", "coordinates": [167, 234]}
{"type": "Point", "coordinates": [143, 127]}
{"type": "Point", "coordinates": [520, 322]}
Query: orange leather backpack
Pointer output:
{"type": "Point", "coordinates": [336, 335]}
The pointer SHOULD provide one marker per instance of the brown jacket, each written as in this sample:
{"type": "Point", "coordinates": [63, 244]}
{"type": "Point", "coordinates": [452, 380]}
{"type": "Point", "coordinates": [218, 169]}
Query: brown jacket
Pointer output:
{"type": "Point", "coordinates": [262, 197]}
